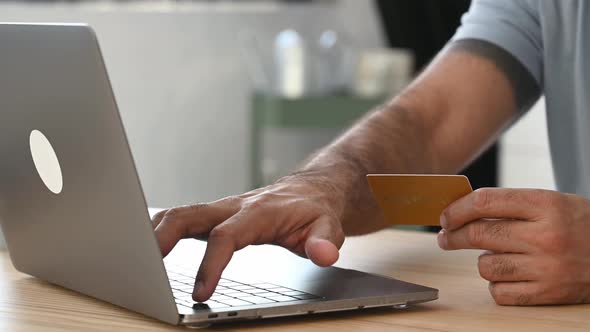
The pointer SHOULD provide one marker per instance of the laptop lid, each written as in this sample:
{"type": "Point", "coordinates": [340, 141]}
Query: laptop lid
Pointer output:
{"type": "Point", "coordinates": [71, 205]}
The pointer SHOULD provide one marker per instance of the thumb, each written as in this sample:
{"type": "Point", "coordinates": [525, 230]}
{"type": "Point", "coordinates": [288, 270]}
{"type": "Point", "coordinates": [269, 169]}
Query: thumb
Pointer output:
{"type": "Point", "coordinates": [323, 241]}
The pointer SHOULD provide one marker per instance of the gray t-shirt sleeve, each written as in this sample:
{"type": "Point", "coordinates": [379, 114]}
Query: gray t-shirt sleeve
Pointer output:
{"type": "Point", "coordinates": [512, 25]}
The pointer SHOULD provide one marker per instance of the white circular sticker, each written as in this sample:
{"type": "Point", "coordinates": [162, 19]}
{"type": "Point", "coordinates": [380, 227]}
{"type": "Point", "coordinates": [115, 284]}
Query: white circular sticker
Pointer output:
{"type": "Point", "coordinates": [46, 161]}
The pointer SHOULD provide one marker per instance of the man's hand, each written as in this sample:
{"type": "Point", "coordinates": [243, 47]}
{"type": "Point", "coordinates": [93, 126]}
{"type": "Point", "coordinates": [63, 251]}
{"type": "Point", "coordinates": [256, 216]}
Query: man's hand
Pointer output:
{"type": "Point", "coordinates": [537, 244]}
{"type": "Point", "coordinates": [295, 213]}
{"type": "Point", "coordinates": [436, 125]}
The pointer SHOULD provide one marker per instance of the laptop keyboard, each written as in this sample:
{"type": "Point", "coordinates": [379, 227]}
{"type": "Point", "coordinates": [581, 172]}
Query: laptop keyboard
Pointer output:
{"type": "Point", "coordinates": [231, 293]}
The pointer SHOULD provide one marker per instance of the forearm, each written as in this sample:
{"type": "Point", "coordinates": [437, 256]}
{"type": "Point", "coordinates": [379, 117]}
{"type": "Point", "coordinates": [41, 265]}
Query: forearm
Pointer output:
{"type": "Point", "coordinates": [437, 125]}
{"type": "Point", "coordinates": [391, 139]}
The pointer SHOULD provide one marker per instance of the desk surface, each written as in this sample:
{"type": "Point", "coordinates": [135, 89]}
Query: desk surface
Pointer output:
{"type": "Point", "coordinates": [28, 304]}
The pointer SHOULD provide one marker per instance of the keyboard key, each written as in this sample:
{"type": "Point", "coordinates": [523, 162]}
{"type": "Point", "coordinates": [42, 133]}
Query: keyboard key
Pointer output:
{"type": "Point", "coordinates": [256, 291]}
{"type": "Point", "coordinates": [179, 270]}
{"type": "Point", "coordinates": [185, 279]}
{"type": "Point", "coordinates": [281, 290]}
{"type": "Point", "coordinates": [271, 295]}
{"type": "Point", "coordinates": [266, 286]}
{"type": "Point", "coordinates": [186, 302]}
{"type": "Point", "coordinates": [233, 285]}
{"type": "Point", "coordinates": [293, 293]}
{"type": "Point", "coordinates": [230, 292]}
{"type": "Point", "coordinates": [184, 297]}
{"type": "Point", "coordinates": [220, 298]}
{"type": "Point", "coordinates": [236, 302]}
{"type": "Point", "coordinates": [189, 274]}
{"type": "Point", "coordinates": [283, 298]}
{"type": "Point", "coordinates": [243, 287]}
{"type": "Point", "coordinates": [257, 300]}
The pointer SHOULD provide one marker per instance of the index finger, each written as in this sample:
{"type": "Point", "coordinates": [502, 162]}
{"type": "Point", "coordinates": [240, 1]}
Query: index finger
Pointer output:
{"type": "Point", "coordinates": [223, 241]}
{"type": "Point", "coordinates": [191, 221]}
{"type": "Point", "coordinates": [493, 203]}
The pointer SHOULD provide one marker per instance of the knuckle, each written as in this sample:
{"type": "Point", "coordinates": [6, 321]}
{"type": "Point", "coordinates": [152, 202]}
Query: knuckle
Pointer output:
{"type": "Point", "coordinates": [221, 233]}
{"type": "Point", "coordinates": [257, 204]}
{"type": "Point", "coordinates": [483, 266]}
{"type": "Point", "coordinates": [482, 199]}
{"type": "Point", "coordinates": [173, 213]}
{"type": "Point", "coordinates": [497, 230]}
{"type": "Point", "coordinates": [231, 236]}
{"type": "Point", "coordinates": [495, 268]}
{"type": "Point", "coordinates": [174, 223]}
{"type": "Point", "coordinates": [500, 296]}
{"type": "Point", "coordinates": [160, 215]}
{"type": "Point", "coordinates": [511, 195]}
{"type": "Point", "coordinates": [502, 266]}
{"type": "Point", "coordinates": [475, 234]}
{"type": "Point", "coordinates": [506, 298]}
{"type": "Point", "coordinates": [232, 200]}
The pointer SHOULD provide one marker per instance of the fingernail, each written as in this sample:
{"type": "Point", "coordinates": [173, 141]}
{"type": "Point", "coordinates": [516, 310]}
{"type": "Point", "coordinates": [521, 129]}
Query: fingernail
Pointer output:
{"type": "Point", "coordinates": [198, 290]}
{"type": "Point", "coordinates": [443, 221]}
{"type": "Point", "coordinates": [442, 239]}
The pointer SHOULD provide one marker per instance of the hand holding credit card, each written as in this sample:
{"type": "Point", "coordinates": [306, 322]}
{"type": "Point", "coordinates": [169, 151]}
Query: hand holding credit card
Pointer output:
{"type": "Point", "coordinates": [416, 199]}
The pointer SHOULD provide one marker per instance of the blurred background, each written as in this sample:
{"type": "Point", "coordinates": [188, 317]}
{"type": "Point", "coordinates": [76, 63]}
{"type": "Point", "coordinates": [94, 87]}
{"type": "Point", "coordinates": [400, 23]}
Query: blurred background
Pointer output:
{"type": "Point", "coordinates": [218, 97]}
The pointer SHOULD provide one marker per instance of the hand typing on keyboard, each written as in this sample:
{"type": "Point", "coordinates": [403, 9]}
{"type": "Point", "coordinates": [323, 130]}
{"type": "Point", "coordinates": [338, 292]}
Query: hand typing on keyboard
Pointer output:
{"type": "Point", "coordinates": [230, 293]}
{"type": "Point", "coordinates": [302, 213]}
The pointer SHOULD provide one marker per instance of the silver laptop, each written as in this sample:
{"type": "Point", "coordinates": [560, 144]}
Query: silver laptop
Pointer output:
{"type": "Point", "coordinates": [73, 211]}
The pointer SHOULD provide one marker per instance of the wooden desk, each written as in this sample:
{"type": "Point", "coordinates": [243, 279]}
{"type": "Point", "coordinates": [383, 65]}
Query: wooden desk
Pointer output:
{"type": "Point", "coordinates": [28, 304]}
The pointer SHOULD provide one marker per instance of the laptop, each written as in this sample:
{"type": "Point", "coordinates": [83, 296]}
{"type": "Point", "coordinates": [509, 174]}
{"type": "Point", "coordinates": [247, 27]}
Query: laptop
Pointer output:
{"type": "Point", "coordinates": [74, 214]}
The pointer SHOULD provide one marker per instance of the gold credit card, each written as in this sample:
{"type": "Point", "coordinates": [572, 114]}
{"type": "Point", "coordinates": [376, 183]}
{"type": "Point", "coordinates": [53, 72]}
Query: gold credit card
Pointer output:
{"type": "Point", "coordinates": [416, 199]}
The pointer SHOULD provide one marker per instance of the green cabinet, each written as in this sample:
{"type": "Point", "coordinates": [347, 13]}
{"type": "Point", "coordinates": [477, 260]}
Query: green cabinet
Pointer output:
{"type": "Point", "coordinates": [286, 131]}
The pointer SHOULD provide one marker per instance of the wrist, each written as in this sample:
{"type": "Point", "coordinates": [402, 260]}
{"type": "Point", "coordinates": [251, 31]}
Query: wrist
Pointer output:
{"type": "Point", "coordinates": [344, 189]}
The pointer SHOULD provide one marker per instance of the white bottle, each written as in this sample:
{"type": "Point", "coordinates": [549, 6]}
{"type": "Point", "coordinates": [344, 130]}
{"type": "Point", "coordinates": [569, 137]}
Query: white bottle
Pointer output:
{"type": "Point", "coordinates": [290, 66]}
